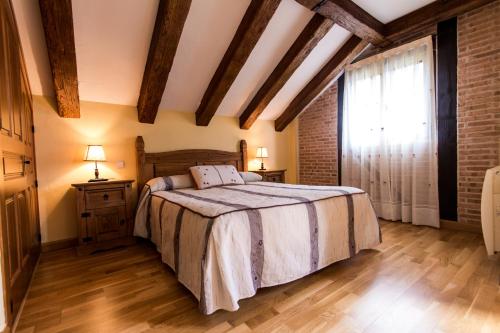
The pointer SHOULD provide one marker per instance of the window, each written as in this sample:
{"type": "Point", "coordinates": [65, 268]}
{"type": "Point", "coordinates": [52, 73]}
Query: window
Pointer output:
{"type": "Point", "coordinates": [389, 138]}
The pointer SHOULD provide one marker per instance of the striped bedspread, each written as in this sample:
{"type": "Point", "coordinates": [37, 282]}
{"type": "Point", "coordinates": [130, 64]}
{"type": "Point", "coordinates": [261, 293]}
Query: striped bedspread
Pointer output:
{"type": "Point", "coordinates": [226, 242]}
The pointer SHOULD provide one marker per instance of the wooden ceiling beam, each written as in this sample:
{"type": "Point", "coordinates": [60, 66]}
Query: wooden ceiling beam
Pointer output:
{"type": "Point", "coordinates": [57, 20]}
{"type": "Point", "coordinates": [328, 74]}
{"type": "Point", "coordinates": [349, 16]}
{"type": "Point", "coordinates": [169, 24]}
{"type": "Point", "coordinates": [314, 31]}
{"type": "Point", "coordinates": [253, 24]}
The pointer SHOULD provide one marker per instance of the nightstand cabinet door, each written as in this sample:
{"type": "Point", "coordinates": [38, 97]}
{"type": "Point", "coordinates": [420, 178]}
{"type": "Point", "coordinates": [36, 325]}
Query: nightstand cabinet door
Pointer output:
{"type": "Point", "coordinates": [109, 223]}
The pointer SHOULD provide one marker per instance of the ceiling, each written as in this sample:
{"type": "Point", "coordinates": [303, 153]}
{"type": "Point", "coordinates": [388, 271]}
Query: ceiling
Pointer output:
{"type": "Point", "coordinates": [112, 41]}
{"type": "Point", "coordinates": [387, 10]}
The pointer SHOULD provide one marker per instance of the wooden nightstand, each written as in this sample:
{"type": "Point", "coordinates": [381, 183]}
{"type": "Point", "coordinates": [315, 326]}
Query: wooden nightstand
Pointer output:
{"type": "Point", "coordinates": [275, 176]}
{"type": "Point", "coordinates": [105, 215]}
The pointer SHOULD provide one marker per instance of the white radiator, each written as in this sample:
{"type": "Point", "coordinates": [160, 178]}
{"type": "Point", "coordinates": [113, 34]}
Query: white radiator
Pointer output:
{"type": "Point", "coordinates": [490, 210]}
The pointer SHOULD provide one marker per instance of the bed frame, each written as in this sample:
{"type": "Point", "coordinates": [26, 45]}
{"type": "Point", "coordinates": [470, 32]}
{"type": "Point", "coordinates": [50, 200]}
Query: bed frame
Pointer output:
{"type": "Point", "coordinates": [178, 162]}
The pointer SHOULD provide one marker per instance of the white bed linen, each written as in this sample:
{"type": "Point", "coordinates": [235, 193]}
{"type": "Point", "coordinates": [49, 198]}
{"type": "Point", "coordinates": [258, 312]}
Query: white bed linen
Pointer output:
{"type": "Point", "coordinates": [226, 242]}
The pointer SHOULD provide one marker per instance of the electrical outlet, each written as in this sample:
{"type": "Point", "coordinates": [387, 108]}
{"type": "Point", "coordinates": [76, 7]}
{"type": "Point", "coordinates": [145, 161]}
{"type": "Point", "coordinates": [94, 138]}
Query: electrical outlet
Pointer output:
{"type": "Point", "coordinates": [120, 164]}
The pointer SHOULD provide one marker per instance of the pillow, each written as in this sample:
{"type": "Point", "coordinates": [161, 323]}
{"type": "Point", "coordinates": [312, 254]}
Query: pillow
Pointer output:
{"type": "Point", "coordinates": [178, 182]}
{"type": "Point", "coordinates": [206, 176]}
{"type": "Point", "coordinates": [170, 183]}
{"type": "Point", "coordinates": [250, 177]}
{"type": "Point", "coordinates": [156, 184]}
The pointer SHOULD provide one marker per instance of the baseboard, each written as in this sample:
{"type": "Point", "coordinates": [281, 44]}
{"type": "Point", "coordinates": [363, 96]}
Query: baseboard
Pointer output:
{"type": "Point", "coordinates": [454, 225]}
{"type": "Point", "coordinates": [59, 244]}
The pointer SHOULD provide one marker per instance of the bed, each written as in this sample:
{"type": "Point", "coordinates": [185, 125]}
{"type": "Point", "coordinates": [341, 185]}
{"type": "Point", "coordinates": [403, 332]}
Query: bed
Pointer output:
{"type": "Point", "coordinates": [224, 243]}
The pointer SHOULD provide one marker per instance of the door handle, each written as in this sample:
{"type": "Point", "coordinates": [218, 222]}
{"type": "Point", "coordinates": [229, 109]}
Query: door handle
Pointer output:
{"type": "Point", "coordinates": [27, 162]}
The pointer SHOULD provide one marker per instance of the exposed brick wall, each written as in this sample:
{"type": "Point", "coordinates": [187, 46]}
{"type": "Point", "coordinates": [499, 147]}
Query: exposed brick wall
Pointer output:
{"type": "Point", "coordinates": [478, 105]}
{"type": "Point", "coordinates": [318, 140]}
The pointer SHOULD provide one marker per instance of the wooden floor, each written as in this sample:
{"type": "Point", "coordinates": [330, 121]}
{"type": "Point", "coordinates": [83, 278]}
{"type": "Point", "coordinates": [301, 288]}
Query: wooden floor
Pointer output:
{"type": "Point", "coordinates": [419, 280]}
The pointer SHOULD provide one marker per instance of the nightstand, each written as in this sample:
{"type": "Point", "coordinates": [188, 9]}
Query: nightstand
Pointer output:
{"type": "Point", "coordinates": [275, 176]}
{"type": "Point", "coordinates": [104, 215]}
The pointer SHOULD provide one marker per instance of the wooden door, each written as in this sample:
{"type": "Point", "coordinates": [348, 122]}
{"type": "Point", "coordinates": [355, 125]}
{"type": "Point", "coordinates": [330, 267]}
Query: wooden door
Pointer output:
{"type": "Point", "coordinates": [20, 231]}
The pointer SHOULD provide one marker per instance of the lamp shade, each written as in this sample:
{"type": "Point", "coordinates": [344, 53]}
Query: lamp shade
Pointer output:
{"type": "Point", "coordinates": [95, 153]}
{"type": "Point", "coordinates": [262, 152]}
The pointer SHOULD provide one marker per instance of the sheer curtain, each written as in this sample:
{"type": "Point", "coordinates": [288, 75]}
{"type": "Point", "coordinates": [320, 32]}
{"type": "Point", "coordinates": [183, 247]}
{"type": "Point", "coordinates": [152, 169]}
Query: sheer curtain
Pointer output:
{"type": "Point", "coordinates": [389, 142]}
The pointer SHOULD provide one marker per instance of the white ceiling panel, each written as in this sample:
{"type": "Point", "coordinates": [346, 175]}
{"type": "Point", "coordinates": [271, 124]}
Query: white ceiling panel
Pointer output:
{"type": "Point", "coordinates": [387, 10]}
{"type": "Point", "coordinates": [203, 42]}
{"type": "Point", "coordinates": [285, 26]}
{"type": "Point", "coordinates": [112, 40]}
{"type": "Point", "coordinates": [318, 57]}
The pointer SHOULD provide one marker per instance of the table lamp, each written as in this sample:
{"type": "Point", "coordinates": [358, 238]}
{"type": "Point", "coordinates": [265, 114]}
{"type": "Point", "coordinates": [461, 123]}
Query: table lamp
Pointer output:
{"type": "Point", "coordinates": [262, 154]}
{"type": "Point", "coordinates": [95, 153]}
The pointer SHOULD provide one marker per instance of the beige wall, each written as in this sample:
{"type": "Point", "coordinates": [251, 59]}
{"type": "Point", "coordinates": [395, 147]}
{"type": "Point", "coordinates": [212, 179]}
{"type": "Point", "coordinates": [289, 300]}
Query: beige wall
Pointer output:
{"type": "Point", "coordinates": [61, 143]}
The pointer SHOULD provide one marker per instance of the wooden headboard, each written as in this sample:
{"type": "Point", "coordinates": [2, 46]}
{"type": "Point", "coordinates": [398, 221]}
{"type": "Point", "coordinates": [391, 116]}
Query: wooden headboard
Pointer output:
{"type": "Point", "coordinates": [178, 162]}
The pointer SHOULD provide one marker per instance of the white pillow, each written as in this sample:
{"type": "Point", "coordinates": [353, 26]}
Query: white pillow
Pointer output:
{"type": "Point", "coordinates": [206, 176]}
{"type": "Point", "coordinates": [170, 183]}
{"type": "Point", "coordinates": [179, 181]}
{"type": "Point", "coordinates": [250, 177]}
{"type": "Point", "coordinates": [156, 184]}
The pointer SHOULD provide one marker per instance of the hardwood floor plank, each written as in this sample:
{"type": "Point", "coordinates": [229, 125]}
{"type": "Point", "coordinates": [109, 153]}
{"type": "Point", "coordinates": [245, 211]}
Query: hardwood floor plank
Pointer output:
{"type": "Point", "coordinates": [418, 280]}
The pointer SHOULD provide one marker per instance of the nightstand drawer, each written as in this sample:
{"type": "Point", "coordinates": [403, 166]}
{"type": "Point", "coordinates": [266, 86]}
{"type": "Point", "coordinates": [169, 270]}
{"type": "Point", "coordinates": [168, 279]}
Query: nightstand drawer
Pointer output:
{"type": "Point", "coordinates": [105, 198]}
{"type": "Point", "coordinates": [274, 178]}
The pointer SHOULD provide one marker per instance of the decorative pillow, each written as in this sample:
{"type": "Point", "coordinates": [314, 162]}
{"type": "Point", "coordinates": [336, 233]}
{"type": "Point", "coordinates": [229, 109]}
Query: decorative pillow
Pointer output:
{"type": "Point", "coordinates": [156, 184]}
{"type": "Point", "coordinates": [170, 183]}
{"type": "Point", "coordinates": [206, 176]}
{"type": "Point", "coordinates": [250, 177]}
{"type": "Point", "coordinates": [178, 182]}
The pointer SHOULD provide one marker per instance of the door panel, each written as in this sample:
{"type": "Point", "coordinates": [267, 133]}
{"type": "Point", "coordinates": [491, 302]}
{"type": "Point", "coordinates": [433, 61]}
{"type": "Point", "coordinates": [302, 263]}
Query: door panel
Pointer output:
{"type": "Point", "coordinates": [13, 166]}
{"type": "Point", "coordinates": [17, 107]}
{"type": "Point", "coordinates": [24, 226]}
{"type": "Point", "coordinates": [12, 239]}
{"type": "Point", "coordinates": [20, 229]}
{"type": "Point", "coordinates": [28, 136]}
{"type": "Point", "coordinates": [5, 115]}
{"type": "Point", "coordinates": [34, 225]}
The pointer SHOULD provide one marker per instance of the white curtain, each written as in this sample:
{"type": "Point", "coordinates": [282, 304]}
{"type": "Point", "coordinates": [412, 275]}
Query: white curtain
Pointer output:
{"type": "Point", "coordinates": [389, 142]}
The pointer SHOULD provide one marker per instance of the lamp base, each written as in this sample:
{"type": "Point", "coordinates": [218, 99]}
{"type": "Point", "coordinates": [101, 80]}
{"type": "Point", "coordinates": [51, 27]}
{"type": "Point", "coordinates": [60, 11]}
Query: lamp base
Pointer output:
{"type": "Point", "coordinates": [96, 173]}
{"type": "Point", "coordinates": [97, 180]}
{"type": "Point", "coordinates": [262, 167]}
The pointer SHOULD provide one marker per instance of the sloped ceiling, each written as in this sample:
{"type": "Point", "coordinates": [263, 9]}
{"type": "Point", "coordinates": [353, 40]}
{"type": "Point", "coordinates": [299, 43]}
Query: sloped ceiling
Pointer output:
{"type": "Point", "coordinates": [112, 40]}
{"type": "Point", "coordinates": [207, 34]}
